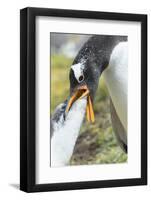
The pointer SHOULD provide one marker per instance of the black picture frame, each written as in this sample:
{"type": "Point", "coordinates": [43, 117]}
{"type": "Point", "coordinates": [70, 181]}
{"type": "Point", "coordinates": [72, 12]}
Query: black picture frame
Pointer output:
{"type": "Point", "coordinates": [28, 99]}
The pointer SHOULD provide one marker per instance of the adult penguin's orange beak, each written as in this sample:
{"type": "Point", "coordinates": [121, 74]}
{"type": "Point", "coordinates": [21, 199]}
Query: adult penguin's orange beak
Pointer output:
{"type": "Point", "coordinates": [81, 92]}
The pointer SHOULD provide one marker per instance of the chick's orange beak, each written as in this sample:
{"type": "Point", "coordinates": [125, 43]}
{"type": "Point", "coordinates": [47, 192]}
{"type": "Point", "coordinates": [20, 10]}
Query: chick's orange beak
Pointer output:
{"type": "Point", "coordinates": [82, 92]}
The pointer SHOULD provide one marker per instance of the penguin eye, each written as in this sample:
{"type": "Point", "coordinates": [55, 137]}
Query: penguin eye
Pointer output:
{"type": "Point", "coordinates": [81, 78]}
{"type": "Point", "coordinates": [78, 70]}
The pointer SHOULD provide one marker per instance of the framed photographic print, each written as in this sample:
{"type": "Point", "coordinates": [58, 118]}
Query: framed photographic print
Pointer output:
{"type": "Point", "coordinates": [83, 99]}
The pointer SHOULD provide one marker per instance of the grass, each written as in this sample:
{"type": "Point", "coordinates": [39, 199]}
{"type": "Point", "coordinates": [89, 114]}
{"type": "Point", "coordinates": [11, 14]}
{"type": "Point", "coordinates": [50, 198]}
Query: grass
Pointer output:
{"type": "Point", "coordinates": [59, 79]}
{"type": "Point", "coordinates": [96, 143]}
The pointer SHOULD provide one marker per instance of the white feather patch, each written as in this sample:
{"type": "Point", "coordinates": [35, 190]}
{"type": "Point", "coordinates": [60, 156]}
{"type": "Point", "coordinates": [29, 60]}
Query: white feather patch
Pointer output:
{"type": "Point", "coordinates": [78, 70]}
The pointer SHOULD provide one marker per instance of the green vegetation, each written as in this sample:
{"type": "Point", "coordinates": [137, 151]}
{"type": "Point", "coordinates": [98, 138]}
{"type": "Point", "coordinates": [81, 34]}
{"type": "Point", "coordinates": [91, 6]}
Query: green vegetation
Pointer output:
{"type": "Point", "coordinates": [59, 80]}
{"type": "Point", "coordinates": [96, 143]}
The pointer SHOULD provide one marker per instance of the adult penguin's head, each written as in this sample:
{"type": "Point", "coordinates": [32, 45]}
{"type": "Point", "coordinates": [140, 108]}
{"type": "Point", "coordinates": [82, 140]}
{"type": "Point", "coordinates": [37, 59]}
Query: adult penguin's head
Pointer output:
{"type": "Point", "coordinates": [87, 68]}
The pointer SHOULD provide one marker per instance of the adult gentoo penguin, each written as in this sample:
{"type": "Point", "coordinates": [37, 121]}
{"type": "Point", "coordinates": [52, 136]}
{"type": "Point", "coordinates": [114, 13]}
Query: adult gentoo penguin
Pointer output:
{"type": "Point", "coordinates": [101, 53]}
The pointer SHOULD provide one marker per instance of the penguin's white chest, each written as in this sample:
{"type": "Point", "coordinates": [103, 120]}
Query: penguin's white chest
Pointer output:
{"type": "Point", "coordinates": [116, 76]}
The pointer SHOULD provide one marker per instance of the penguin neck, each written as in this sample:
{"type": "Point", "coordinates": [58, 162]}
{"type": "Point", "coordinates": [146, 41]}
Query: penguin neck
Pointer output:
{"type": "Point", "coordinates": [115, 76]}
{"type": "Point", "coordinates": [98, 50]}
{"type": "Point", "coordinates": [65, 134]}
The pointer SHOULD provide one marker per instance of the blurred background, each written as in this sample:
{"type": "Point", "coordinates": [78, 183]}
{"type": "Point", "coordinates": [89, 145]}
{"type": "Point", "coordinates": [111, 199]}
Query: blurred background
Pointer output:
{"type": "Point", "coordinates": [96, 143]}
